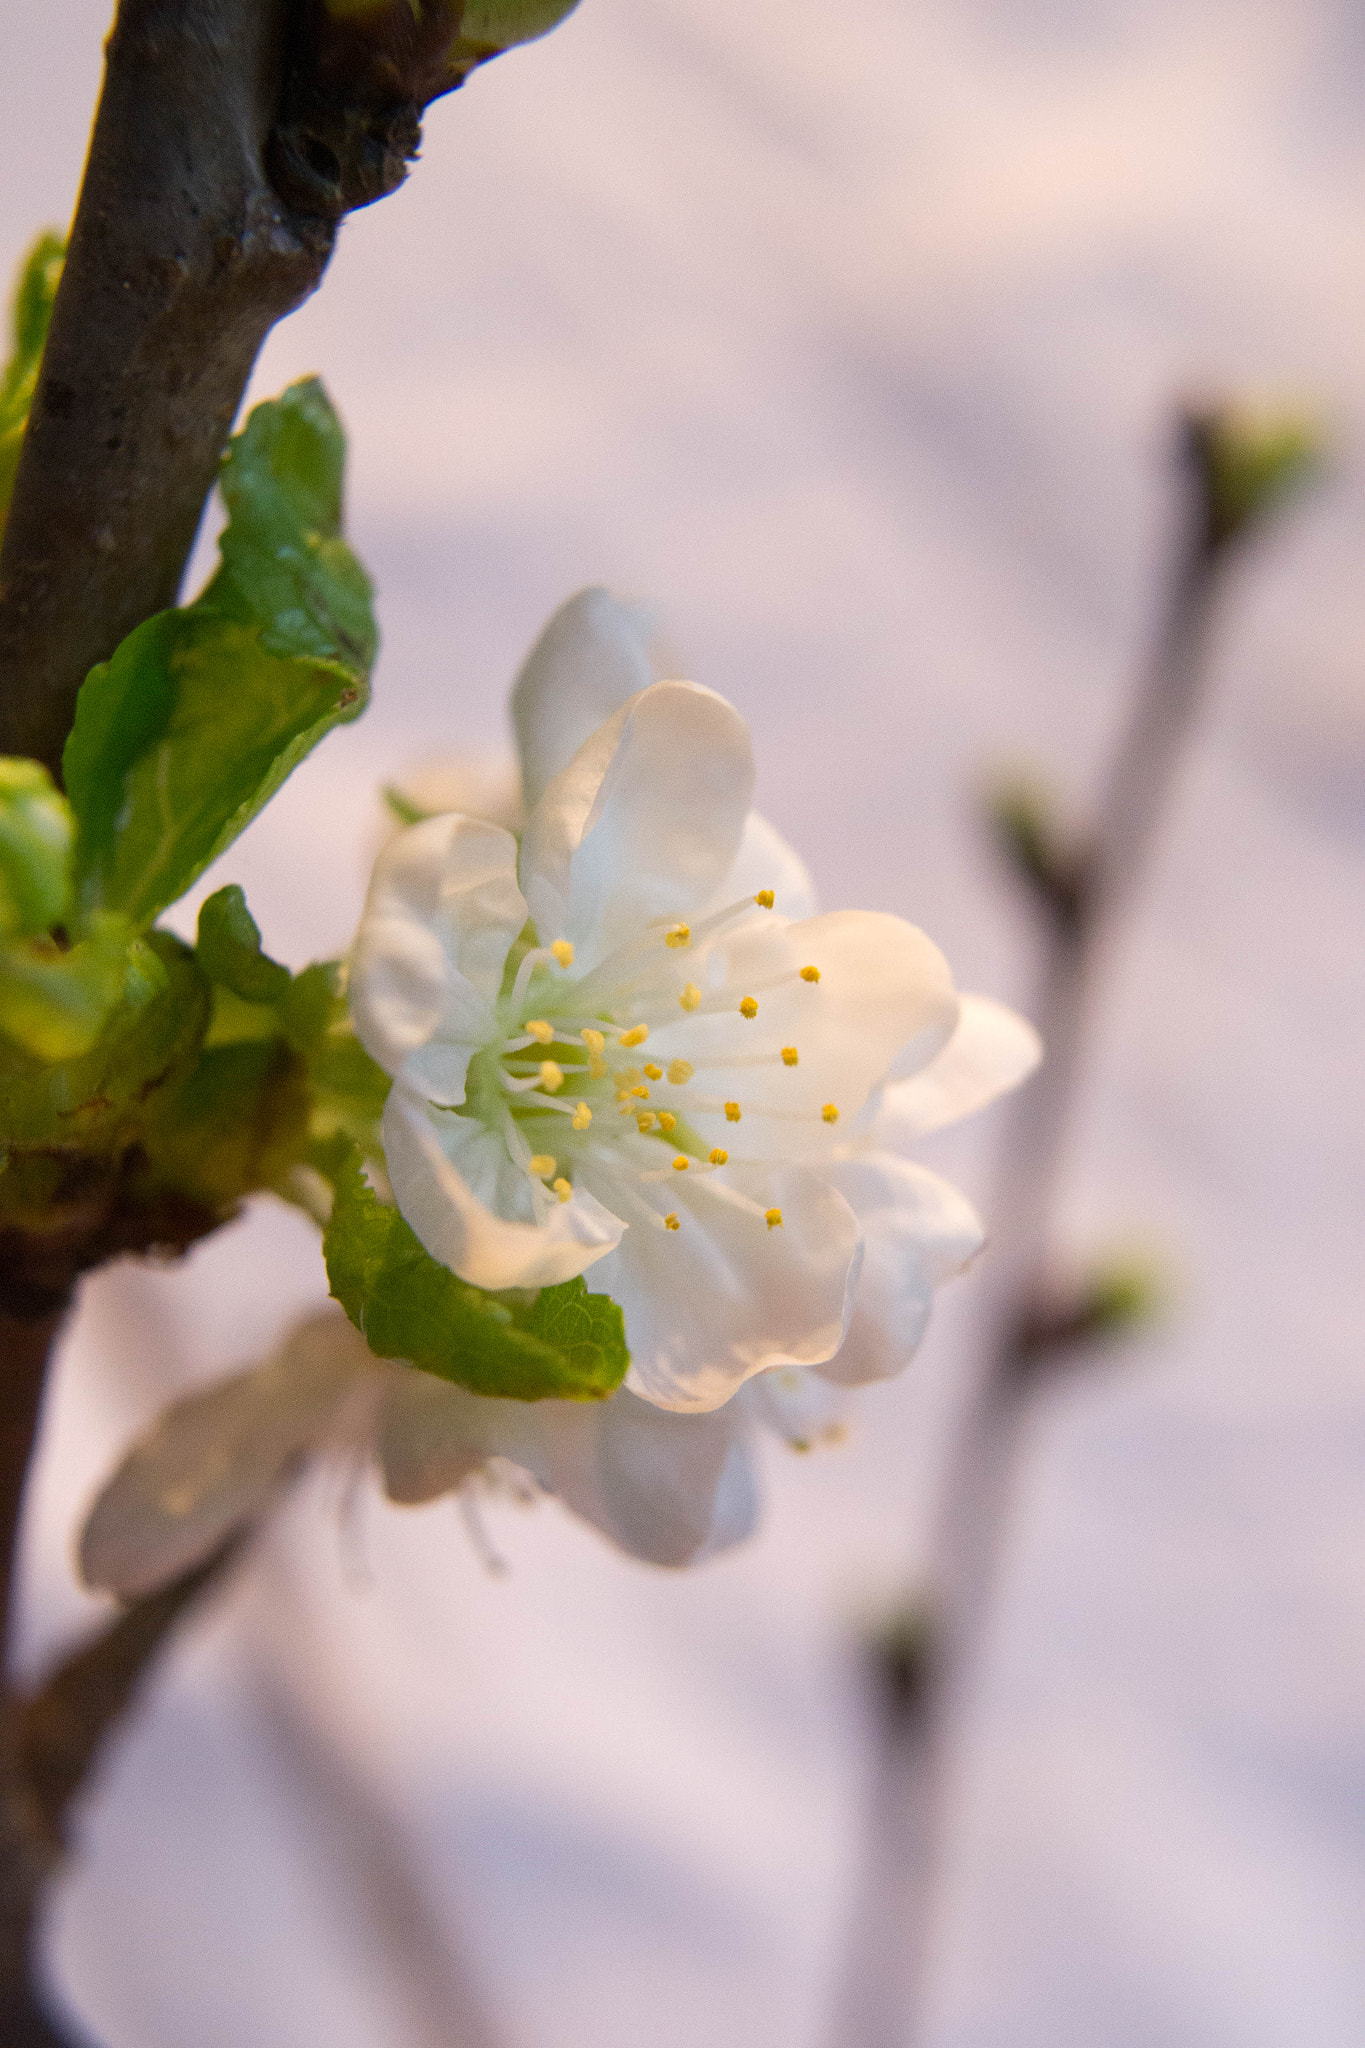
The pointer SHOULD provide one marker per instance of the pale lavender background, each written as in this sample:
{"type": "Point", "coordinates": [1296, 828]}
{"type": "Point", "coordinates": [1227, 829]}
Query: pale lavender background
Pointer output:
{"type": "Point", "coordinates": [848, 335]}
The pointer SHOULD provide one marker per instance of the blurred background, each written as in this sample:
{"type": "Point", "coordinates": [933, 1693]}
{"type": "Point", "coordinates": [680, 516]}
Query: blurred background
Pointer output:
{"type": "Point", "coordinates": [850, 338]}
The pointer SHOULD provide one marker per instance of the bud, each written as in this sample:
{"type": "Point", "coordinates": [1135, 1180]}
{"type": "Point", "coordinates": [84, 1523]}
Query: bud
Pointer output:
{"type": "Point", "coordinates": [35, 850]}
{"type": "Point", "coordinates": [1246, 461]}
{"type": "Point", "coordinates": [1023, 818]}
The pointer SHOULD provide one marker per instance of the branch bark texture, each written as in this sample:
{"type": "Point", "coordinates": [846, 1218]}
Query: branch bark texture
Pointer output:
{"type": "Point", "coordinates": [182, 258]}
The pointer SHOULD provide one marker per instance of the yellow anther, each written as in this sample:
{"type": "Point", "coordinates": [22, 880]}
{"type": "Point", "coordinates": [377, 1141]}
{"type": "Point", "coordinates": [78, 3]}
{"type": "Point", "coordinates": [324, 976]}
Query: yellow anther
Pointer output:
{"type": "Point", "coordinates": [748, 1008]}
{"type": "Point", "coordinates": [636, 1035]}
{"type": "Point", "coordinates": [789, 1055]}
{"type": "Point", "coordinates": [594, 1040]}
{"type": "Point", "coordinates": [653, 1073]}
{"type": "Point", "coordinates": [810, 974]}
{"type": "Point", "coordinates": [597, 1067]}
{"type": "Point", "coordinates": [541, 1164]}
{"type": "Point", "coordinates": [732, 1112]}
{"type": "Point", "coordinates": [551, 1076]}
{"type": "Point", "coordinates": [681, 1163]}
{"type": "Point", "coordinates": [582, 1117]}
{"type": "Point", "coordinates": [680, 1071]}
{"type": "Point", "coordinates": [719, 1157]}
{"type": "Point", "coordinates": [563, 1188]}
{"type": "Point", "coordinates": [563, 952]}
{"type": "Point", "coordinates": [773, 1218]}
{"type": "Point", "coordinates": [542, 1032]}
{"type": "Point", "coordinates": [627, 1076]}
{"type": "Point", "coordinates": [645, 1121]}
{"type": "Point", "coordinates": [691, 996]}
{"type": "Point", "coordinates": [764, 899]}
{"type": "Point", "coordinates": [671, 1223]}
{"type": "Point", "coordinates": [641, 1091]}
{"type": "Point", "coordinates": [830, 1113]}
{"type": "Point", "coordinates": [679, 936]}
{"type": "Point", "coordinates": [666, 1122]}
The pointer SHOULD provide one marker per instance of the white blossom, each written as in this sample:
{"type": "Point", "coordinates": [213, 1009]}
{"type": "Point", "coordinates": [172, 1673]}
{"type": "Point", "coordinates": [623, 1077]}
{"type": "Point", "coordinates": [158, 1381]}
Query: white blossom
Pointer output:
{"type": "Point", "coordinates": [544, 1091]}
{"type": "Point", "coordinates": [626, 1046]}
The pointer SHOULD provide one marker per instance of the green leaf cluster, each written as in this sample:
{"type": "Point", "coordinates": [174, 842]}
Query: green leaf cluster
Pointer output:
{"type": "Point", "coordinates": [39, 276]}
{"type": "Point", "coordinates": [559, 1344]}
{"type": "Point", "coordinates": [211, 1069]}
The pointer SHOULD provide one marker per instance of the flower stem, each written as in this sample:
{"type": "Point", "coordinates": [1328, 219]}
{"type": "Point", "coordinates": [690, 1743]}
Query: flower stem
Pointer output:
{"type": "Point", "coordinates": [1081, 895]}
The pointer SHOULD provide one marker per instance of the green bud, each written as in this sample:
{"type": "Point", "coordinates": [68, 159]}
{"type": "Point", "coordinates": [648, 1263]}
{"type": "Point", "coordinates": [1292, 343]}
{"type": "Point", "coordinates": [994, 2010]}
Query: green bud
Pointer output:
{"type": "Point", "coordinates": [55, 1001]}
{"type": "Point", "coordinates": [35, 850]}
{"type": "Point", "coordinates": [494, 25]}
{"type": "Point", "coordinates": [1248, 461]}
{"type": "Point", "coordinates": [1023, 818]}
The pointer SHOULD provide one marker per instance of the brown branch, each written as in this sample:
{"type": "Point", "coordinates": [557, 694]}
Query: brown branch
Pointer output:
{"type": "Point", "coordinates": [1080, 892]}
{"type": "Point", "coordinates": [183, 256]}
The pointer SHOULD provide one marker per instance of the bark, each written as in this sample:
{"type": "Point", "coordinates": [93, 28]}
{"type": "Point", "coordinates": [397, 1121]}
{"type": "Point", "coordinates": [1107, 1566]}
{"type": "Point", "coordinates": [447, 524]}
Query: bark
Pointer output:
{"type": "Point", "coordinates": [181, 259]}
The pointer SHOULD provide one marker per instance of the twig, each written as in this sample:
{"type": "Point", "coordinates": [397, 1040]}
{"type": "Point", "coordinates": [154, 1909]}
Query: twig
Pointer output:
{"type": "Point", "coordinates": [1235, 473]}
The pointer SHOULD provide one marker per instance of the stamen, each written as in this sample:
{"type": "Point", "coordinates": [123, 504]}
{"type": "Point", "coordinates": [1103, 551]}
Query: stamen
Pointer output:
{"type": "Point", "coordinates": [830, 1113]}
{"type": "Point", "coordinates": [671, 1222]}
{"type": "Point", "coordinates": [541, 1164]}
{"type": "Point", "coordinates": [653, 1073]}
{"type": "Point", "coordinates": [690, 996]}
{"type": "Point", "coordinates": [597, 1068]}
{"type": "Point", "coordinates": [645, 1122]}
{"type": "Point", "coordinates": [764, 899]}
{"type": "Point", "coordinates": [732, 1112]}
{"type": "Point", "coordinates": [790, 1056]}
{"type": "Point", "coordinates": [551, 1076]}
{"type": "Point", "coordinates": [564, 1188]}
{"type": "Point", "coordinates": [719, 1157]}
{"type": "Point", "coordinates": [772, 1217]}
{"type": "Point", "coordinates": [641, 1091]}
{"type": "Point", "coordinates": [680, 1071]}
{"type": "Point", "coordinates": [582, 1117]}
{"type": "Point", "coordinates": [748, 1008]}
{"type": "Point", "coordinates": [563, 952]}
{"type": "Point", "coordinates": [594, 1040]}
{"type": "Point", "coordinates": [636, 1035]}
{"type": "Point", "coordinates": [810, 974]}
{"type": "Point", "coordinates": [666, 1122]}
{"type": "Point", "coordinates": [681, 1163]}
{"type": "Point", "coordinates": [542, 1032]}
{"type": "Point", "coordinates": [678, 937]}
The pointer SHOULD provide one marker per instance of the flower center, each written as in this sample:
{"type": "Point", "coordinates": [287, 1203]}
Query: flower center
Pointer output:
{"type": "Point", "coordinates": [571, 1079]}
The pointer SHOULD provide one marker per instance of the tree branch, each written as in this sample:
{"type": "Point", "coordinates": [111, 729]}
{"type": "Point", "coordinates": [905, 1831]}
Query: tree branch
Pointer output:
{"type": "Point", "coordinates": [182, 258]}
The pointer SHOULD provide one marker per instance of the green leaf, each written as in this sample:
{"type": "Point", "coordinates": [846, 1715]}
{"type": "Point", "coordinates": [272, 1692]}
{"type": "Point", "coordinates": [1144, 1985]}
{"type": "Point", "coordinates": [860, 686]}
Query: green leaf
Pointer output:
{"type": "Point", "coordinates": [97, 1099]}
{"type": "Point", "coordinates": [235, 1123]}
{"type": "Point", "coordinates": [29, 320]}
{"type": "Point", "coordinates": [494, 25]}
{"type": "Point", "coordinates": [35, 850]}
{"type": "Point", "coordinates": [201, 714]}
{"type": "Point", "coordinates": [229, 948]}
{"type": "Point", "coordinates": [562, 1344]}
{"type": "Point", "coordinates": [55, 1000]}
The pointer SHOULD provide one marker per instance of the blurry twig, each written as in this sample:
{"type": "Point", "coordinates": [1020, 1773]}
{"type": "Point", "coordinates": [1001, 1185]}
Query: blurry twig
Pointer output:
{"type": "Point", "coordinates": [51, 1740]}
{"type": "Point", "coordinates": [1237, 469]}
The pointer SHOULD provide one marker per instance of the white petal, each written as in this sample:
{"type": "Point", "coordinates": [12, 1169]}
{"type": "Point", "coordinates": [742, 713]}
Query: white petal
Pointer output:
{"type": "Point", "coordinates": [766, 861]}
{"type": "Point", "coordinates": [643, 823]}
{"type": "Point", "coordinates": [724, 1296]}
{"type": "Point", "coordinates": [992, 1050]}
{"type": "Point", "coordinates": [917, 1231]}
{"type": "Point", "coordinates": [671, 1486]}
{"type": "Point", "coordinates": [212, 1461]}
{"type": "Point", "coordinates": [442, 911]}
{"type": "Point", "coordinates": [455, 1186]}
{"type": "Point", "coordinates": [593, 654]}
{"type": "Point", "coordinates": [663, 1487]}
{"type": "Point", "coordinates": [428, 1438]}
{"type": "Point", "coordinates": [882, 984]}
